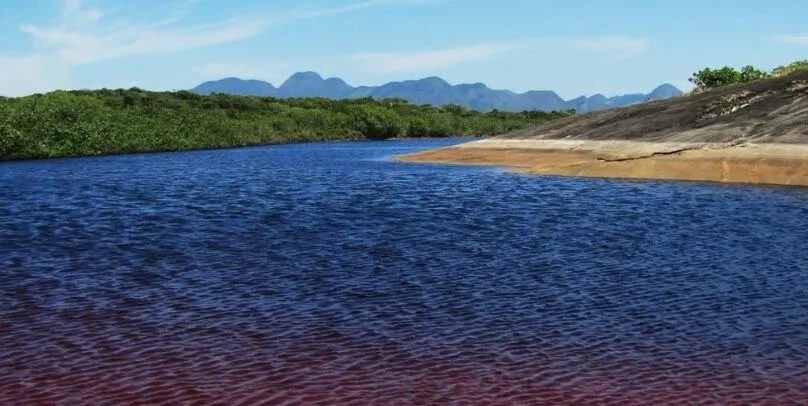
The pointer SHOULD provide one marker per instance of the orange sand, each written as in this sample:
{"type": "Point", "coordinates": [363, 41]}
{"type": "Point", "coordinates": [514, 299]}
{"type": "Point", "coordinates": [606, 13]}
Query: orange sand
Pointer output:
{"type": "Point", "coordinates": [777, 164]}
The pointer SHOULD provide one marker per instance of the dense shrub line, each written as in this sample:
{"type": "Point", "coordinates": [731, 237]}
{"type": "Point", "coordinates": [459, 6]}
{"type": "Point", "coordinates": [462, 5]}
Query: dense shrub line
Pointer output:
{"type": "Point", "coordinates": [96, 122]}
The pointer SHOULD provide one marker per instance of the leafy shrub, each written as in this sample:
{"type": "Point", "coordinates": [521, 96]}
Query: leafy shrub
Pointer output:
{"type": "Point", "coordinates": [377, 123]}
{"type": "Point", "coordinates": [86, 122]}
{"type": "Point", "coordinates": [750, 74]}
{"type": "Point", "coordinates": [708, 78]}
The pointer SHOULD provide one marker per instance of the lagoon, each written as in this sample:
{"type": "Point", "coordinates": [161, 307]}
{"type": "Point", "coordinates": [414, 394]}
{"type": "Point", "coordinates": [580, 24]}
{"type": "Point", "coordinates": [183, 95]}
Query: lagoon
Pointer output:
{"type": "Point", "coordinates": [326, 273]}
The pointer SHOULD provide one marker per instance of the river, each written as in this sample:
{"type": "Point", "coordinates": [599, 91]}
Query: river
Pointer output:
{"type": "Point", "coordinates": [327, 274]}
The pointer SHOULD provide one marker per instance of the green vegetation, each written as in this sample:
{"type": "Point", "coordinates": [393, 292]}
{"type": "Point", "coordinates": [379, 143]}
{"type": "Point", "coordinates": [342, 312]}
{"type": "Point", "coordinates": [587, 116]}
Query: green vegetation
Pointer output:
{"type": "Point", "coordinates": [77, 123]}
{"type": "Point", "coordinates": [708, 78]}
{"type": "Point", "coordinates": [798, 66]}
{"type": "Point", "coordinates": [712, 78]}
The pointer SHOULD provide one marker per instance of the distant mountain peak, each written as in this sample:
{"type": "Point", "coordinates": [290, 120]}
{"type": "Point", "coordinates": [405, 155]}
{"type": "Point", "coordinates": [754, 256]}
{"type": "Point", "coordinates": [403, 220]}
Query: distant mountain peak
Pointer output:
{"type": "Point", "coordinates": [309, 84]}
{"type": "Point", "coordinates": [431, 90]}
{"type": "Point", "coordinates": [235, 85]}
{"type": "Point", "coordinates": [664, 91]}
{"type": "Point", "coordinates": [476, 85]}
{"type": "Point", "coordinates": [666, 86]}
{"type": "Point", "coordinates": [434, 81]}
{"type": "Point", "coordinates": [307, 75]}
{"type": "Point", "coordinates": [302, 77]}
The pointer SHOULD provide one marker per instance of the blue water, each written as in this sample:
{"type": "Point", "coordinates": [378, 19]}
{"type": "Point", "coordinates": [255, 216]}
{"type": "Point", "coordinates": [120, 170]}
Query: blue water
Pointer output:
{"type": "Point", "coordinates": [328, 274]}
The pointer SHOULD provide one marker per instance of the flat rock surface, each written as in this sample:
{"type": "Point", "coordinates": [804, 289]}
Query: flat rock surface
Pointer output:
{"type": "Point", "coordinates": [751, 133]}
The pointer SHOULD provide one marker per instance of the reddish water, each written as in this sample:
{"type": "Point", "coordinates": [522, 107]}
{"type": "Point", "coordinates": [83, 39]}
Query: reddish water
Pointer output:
{"type": "Point", "coordinates": [162, 280]}
{"type": "Point", "coordinates": [103, 358]}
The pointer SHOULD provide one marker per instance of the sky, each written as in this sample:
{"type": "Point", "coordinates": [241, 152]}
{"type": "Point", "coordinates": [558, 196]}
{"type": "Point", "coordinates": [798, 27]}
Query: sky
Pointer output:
{"type": "Point", "coordinates": [575, 48]}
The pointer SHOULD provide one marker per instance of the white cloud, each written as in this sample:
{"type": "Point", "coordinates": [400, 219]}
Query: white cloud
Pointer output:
{"type": "Point", "coordinates": [85, 34]}
{"type": "Point", "coordinates": [82, 47]}
{"type": "Point", "coordinates": [620, 46]}
{"type": "Point", "coordinates": [312, 12]}
{"type": "Point", "coordinates": [389, 65]}
{"type": "Point", "coordinates": [792, 39]}
{"type": "Point", "coordinates": [77, 12]}
{"type": "Point", "coordinates": [34, 73]}
{"type": "Point", "coordinates": [429, 60]}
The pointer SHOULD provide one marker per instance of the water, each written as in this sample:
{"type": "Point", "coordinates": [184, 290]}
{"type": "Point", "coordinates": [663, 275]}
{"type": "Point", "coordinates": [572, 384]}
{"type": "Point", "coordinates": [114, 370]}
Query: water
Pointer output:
{"type": "Point", "coordinates": [326, 274]}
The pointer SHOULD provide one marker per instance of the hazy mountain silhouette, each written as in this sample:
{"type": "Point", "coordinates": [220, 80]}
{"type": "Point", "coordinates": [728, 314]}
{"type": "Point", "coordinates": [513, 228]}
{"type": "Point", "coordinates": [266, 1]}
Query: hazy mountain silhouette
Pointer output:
{"type": "Point", "coordinates": [238, 86]}
{"type": "Point", "coordinates": [430, 90]}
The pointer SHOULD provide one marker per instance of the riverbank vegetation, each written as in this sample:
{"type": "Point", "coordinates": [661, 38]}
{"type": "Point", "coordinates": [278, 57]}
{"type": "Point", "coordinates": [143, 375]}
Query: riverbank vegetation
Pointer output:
{"type": "Point", "coordinates": [709, 78]}
{"type": "Point", "coordinates": [80, 123]}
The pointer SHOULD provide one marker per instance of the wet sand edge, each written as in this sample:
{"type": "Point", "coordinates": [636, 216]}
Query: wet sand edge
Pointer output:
{"type": "Point", "coordinates": [751, 163]}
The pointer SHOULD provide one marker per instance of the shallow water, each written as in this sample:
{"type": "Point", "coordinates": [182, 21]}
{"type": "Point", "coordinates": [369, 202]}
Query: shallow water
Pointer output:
{"type": "Point", "coordinates": [326, 274]}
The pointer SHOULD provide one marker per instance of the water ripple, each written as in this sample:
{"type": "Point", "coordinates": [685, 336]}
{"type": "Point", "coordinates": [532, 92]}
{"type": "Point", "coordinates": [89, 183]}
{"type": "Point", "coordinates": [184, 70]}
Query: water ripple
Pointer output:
{"type": "Point", "coordinates": [325, 274]}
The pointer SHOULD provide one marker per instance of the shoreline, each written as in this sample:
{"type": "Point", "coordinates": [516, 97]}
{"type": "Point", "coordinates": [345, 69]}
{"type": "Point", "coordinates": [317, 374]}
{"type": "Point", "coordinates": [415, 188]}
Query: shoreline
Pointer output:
{"type": "Point", "coordinates": [203, 149]}
{"type": "Point", "coordinates": [748, 163]}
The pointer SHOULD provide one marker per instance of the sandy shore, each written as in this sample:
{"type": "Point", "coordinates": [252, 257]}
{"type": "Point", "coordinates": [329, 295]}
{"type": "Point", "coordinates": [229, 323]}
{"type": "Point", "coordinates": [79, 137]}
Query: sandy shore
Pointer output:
{"type": "Point", "coordinates": [776, 164]}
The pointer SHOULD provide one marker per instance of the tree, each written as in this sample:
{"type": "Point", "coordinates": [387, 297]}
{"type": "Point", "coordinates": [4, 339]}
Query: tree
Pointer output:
{"type": "Point", "coordinates": [454, 109]}
{"type": "Point", "coordinates": [377, 123]}
{"type": "Point", "coordinates": [750, 74]}
{"type": "Point", "coordinates": [712, 78]}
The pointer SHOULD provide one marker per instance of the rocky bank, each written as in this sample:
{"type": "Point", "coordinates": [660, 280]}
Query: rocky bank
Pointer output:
{"type": "Point", "coordinates": [749, 133]}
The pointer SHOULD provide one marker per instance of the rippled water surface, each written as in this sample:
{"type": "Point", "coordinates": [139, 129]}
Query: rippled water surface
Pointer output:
{"type": "Point", "coordinates": [326, 274]}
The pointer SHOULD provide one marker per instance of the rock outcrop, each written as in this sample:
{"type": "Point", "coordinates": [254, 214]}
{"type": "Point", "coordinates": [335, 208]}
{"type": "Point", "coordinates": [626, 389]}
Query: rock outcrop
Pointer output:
{"type": "Point", "coordinates": [750, 133]}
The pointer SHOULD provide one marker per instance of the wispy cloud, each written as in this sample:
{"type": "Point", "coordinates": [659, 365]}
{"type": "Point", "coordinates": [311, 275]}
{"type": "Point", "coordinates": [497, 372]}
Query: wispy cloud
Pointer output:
{"type": "Point", "coordinates": [323, 11]}
{"type": "Point", "coordinates": [618, 45]}
{"type": "Point", "coordinates": [792, 39]}
{"type": "Point", "coordinates": [87, 34]}
{"type": "Point", "coordinates": [82, 47]}
{"type": "Point", "coordinates": [429, 60]}
{"type": "Point", "coordinates": [26, 74]}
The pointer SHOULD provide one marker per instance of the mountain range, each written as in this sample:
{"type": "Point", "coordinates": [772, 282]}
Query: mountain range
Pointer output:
{"type": "Point", "coordinates": [430, 90]}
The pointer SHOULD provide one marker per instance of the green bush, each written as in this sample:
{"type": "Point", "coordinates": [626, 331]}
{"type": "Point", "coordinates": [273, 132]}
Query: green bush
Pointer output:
{"type": "Point", "coordinates": [708, 78]}
{"type": "Point", "coordinates": [798, 66]}
{"type": "Point", "coordinates": [377, 123]}
{"type": "Point", "coordinates": [750, 74]}
{"type": "Point", "coordinates": [120, 121]}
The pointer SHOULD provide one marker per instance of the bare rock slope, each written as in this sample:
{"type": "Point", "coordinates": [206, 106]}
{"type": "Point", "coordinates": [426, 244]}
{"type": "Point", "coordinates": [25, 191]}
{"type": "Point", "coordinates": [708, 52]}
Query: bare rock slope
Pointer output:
{"type": "Point", "coordinates": [773, 110]}
{"type": "Point", "coordinates": [749, 133]}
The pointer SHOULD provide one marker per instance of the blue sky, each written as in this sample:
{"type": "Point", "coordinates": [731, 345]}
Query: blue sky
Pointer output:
{"type": "Point", "coordinates": [581, 47]}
